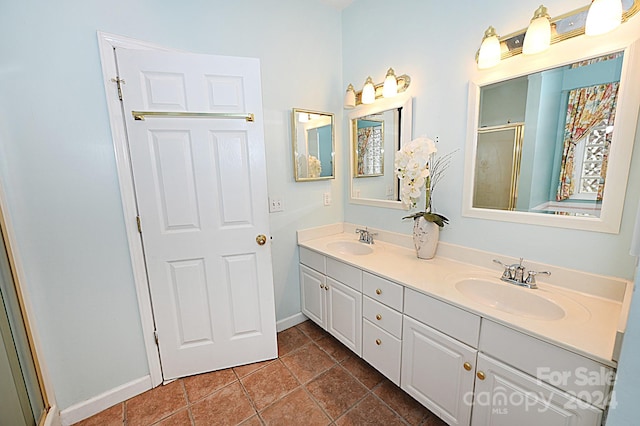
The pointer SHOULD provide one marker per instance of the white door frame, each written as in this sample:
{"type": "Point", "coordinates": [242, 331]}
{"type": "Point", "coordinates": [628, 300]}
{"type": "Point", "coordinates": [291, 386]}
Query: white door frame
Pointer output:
{"type": "Point", "coordinates": [107, 42]}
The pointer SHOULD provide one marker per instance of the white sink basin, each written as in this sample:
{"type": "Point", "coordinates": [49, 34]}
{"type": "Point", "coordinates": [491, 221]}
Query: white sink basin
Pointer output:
{"type": "Point", "coordinates": [509, 298]}
{"type": "Point", "coordinates": [350, 247]}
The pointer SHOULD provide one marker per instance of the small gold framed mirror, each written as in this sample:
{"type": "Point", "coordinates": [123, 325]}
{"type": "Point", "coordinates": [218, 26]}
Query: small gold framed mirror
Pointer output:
{"type": "Point", "coordinates": [313, 144]}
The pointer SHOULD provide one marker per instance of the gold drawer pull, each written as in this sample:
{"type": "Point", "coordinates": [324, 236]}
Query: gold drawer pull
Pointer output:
{"type": "Point", "coordinates": [378, 291]}
{"type": "Point", "coordinates": [467, 366]}
{"type": "Point", "coordinates": [378, 342]}
{"type": "Point", "coordinates": [378, 317]}
{"type": "Point", "coordinates": [480, 375]}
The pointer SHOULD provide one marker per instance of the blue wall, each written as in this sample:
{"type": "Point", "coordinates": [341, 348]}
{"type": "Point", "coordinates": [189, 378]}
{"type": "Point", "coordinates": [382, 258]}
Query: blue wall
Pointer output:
{"type": "Point", "coordinates": [58, 168]}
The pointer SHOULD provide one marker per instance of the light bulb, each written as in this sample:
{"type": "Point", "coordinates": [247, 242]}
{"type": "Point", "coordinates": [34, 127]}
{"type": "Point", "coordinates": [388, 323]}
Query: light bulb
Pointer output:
{"type": "Point", "coordinates": [368, 92]}
{"type": "Point", "coordinates": [350, 97]}
{"type": "Point", "coordinates": [489, 54]}
{"type": "Point", "coordinates": [603, 16]}
{"type": "Point", "coordinates": [390, 87]}
{"type": "Point", "coordinates": [538, 36]}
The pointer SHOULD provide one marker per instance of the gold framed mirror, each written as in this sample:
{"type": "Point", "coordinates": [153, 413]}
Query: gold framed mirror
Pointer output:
{"type": "Point", "coordinates": [369, 134]}
{"type": "Point", "coordinates": [313, 145]}
{"type": "Point", "coordinates": [377, 131]}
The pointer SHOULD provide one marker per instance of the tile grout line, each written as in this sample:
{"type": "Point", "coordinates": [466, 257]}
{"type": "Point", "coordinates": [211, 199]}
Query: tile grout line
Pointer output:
{"type": "Point", "coordinates": [186, 397]}
{"type": "Point", "coordinates": [246, 393]}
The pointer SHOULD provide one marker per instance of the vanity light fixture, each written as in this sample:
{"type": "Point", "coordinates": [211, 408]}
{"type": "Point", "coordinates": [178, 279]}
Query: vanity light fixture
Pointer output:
{"type": "Point", "coordinates": [368, 92]}
{"type": "Point", "coordinates": [391, 86]}
{"type": "Point", "coordinates": [538, 36]}
{"type": "Point", "coordinates": [489, 54]}
{"type": "Point", "coordinates": [604, 16]}
{"type": "Point", "coordinates": [599, 17]}
{"type": "Point", "coordinates": [350, 97]}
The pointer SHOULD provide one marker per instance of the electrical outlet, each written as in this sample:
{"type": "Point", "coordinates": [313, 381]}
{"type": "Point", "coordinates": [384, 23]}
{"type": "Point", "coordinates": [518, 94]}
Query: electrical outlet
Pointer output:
{"type": "Point", "coordinates": [326, 198]}
{"type": "Point", "coordinates": [275, 205]}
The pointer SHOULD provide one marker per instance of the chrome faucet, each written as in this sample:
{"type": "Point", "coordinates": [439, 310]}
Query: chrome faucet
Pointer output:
{"type": "Point", "coordinates": [514, 274]}
{"type": "Point", "coordinates": [366, 236]}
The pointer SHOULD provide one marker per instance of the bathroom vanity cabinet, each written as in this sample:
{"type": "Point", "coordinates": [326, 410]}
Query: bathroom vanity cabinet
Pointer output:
{"type": "Point", "coordinates": [331, 293]}
{"type": "Point", "coordinates": [467, 369]}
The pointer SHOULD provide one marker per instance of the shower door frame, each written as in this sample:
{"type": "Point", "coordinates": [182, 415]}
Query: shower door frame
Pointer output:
{"type": "Point", "coordinates": [7, 238]}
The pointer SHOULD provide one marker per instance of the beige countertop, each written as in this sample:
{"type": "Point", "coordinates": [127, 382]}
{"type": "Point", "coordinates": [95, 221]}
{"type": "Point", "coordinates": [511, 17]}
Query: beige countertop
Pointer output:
{"type": "Point", "coordinates": [595, 306]}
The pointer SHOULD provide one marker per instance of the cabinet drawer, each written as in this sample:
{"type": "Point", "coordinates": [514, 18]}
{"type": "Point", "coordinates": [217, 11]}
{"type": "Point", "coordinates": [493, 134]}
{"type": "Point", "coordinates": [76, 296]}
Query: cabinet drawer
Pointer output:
{"type": "Point", "coordinates": [381, 350]}
{"type": "Point", "coordinates": [383, 316]}
{"type": "Point", "coordinates": [455, 322]}
{"type": "Point", "coordinates": [312, 259]}
{"type": "Point", "coordinates": [344, 273]}
{"type": "Point", "coordinates": [549, 363]}
{"type": "Point", "coordinates": [383, 291]}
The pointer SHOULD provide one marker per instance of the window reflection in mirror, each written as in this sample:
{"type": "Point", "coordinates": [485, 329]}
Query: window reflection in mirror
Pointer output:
{"type": "Point", "coordinates": [369, 146]}
{"type": "Point", "coordinates": [372, 178]}
{"type": "Point", "coordinates": [313, 145]}
{"type": "Point", "coordinates": [543, 139]}
{"type": "Point", "coordinates": [375, 142]}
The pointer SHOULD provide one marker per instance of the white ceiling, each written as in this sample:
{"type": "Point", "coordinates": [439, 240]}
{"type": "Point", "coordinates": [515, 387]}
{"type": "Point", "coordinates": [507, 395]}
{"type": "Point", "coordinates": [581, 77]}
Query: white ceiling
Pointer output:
{"type": "Point", "coordinates": [338, 4]}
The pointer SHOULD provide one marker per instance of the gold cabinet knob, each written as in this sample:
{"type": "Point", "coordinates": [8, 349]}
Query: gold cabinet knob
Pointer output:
{"type": "Point", "coordinates": [326, 287]}
{"type": "Point", "coordinates": [321, 285]}
{"type": "Point", "coordinates": [261, 239]}
{"type": "Point", "coordinates": [480, 375]}
{"type": "Point", "coordinates": [378, 291]}
{"type": "Point", "coordinates": [378, 342]}
{"type": "Point", "coordinates": [467, 366]}
{"type": "Point", "coordinates": [378, 317]}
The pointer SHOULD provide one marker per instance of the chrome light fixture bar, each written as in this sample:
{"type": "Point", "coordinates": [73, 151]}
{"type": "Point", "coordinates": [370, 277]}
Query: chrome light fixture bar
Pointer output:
{"type": "Point", "coordinates": [371, 91]}
{"type": "Point", "coordinates": [566, 26]}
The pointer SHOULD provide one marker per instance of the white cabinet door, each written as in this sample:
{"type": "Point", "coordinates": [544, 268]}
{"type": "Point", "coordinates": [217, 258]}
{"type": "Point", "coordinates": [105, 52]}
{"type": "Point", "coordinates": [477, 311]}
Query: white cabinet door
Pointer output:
{"type": "Point", "coordinates": [344, 314]}
{"type": "Point", "coordinates": [435, 374]}
{"type": "Point", "coordinates": [505, 396]}
{"type": "Point", "coordinates": [313, 295]}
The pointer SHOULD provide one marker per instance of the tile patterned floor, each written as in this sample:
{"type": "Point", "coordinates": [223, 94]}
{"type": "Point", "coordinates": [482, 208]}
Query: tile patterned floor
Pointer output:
{"type": "Point", "coordinates": [314, 381]}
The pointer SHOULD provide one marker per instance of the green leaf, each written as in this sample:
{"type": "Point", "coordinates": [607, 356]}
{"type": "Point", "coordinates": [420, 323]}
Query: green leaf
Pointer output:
{"type": "Point", "coordinates": [436, 218]}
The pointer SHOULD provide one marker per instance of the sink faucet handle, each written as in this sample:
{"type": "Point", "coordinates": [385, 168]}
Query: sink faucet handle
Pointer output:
{"type": "Point", "coordinates": [531, 278]}
{"type": "Point", "coordinates": [509, 270]}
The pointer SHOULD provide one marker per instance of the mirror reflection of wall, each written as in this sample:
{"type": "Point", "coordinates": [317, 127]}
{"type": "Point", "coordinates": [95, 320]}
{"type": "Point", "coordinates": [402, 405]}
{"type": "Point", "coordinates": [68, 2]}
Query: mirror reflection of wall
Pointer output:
{"type": "Point", "coordinates": [567, 117]}
{"type": "Point", "coordinates": [313, 145]}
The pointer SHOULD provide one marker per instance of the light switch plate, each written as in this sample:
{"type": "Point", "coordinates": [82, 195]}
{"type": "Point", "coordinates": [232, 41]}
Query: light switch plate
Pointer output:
{"type": "Point", "coordinates": [275, 205]}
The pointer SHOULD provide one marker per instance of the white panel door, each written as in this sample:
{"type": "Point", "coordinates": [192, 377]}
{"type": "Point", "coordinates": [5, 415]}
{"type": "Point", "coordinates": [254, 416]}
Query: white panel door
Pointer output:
{"type": "Point", "coordinates": [434, 373]}
{"type": "Point", "coordinates": [202, 199]}
{"type": "Point", "coordinates": [344, 314]}
{"type": "Point", "coordinates": [507, 397]}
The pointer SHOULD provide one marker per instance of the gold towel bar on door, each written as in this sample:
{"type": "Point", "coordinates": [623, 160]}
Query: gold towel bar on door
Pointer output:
{"type": "Point", "coordinates": [140, 115]}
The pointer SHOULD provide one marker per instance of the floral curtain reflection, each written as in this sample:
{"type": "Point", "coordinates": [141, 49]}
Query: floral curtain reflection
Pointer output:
{"type": "Point", "coordinates": [588, 107]}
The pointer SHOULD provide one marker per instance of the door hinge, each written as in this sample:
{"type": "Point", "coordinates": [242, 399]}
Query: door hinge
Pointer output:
{"type": "Point", "coordinates": [155, 337]}
{"type": "Point", "coordinates": [119, 82]}
{"type": "Point", "coordinates": [139, 225]}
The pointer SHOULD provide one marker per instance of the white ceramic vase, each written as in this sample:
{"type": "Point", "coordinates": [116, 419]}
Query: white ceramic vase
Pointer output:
{"type": "Point", "coordinates": [425, 238]}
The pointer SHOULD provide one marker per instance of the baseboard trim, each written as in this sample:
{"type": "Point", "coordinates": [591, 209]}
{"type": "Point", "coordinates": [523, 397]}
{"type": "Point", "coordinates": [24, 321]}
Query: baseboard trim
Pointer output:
{"type": "Point", "coordinates": [88, 408]}
{"type": "Point", "coordinates": [53, 417]}
{"type": "Point", "coordinates": [289, 322]}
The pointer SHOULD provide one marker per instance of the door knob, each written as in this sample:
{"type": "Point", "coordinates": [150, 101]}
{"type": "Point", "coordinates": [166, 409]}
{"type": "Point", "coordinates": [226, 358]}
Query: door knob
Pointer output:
{"type": "Point", "coordinates": [261, 239]}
